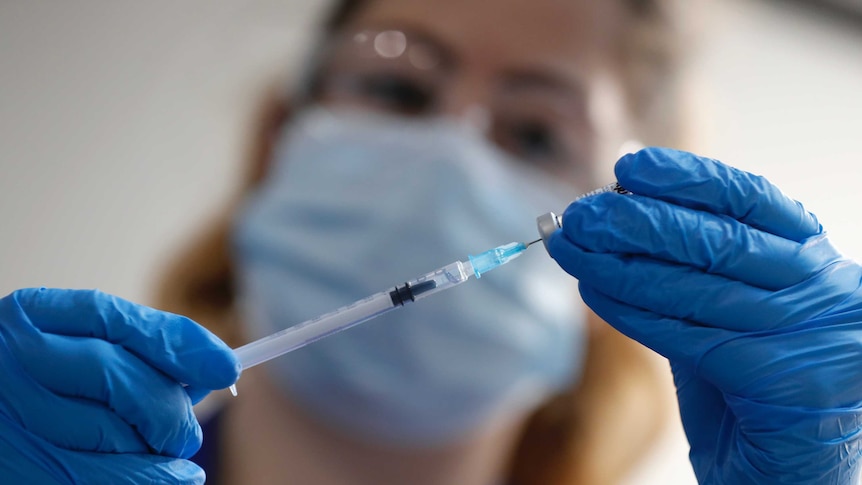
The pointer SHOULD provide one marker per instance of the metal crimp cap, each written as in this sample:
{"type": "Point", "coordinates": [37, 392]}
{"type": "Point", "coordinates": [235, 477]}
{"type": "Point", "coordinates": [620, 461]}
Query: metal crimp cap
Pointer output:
{"type": "Point", "coordinates": [547, 224]}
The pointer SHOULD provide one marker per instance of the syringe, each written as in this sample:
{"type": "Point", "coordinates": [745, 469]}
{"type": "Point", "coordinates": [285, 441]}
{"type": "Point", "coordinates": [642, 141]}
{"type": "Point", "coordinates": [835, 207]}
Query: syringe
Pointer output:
{"type": "Point", "coordinates": [302, 334]}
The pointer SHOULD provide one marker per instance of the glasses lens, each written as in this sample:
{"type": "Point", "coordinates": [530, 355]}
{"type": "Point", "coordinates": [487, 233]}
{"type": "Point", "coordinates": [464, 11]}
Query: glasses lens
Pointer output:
{"type": "Point", "coordinates": [395, 72]}
{"type": "Point", "coordinates": [385, 71]}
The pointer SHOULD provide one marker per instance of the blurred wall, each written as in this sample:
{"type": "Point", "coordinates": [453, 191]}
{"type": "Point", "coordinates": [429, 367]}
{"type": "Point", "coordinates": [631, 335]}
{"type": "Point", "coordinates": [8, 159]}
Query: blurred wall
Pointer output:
{"type": "Point", "coordinates": [783, 98]}
{"type": "Point", "coordinates": [121, 128]}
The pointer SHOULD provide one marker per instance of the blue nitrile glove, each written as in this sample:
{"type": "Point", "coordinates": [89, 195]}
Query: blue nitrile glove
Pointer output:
{"type": "Point", "coordinates": [90, 389]}
{"type": "Point", "coordinates": [738, 286]}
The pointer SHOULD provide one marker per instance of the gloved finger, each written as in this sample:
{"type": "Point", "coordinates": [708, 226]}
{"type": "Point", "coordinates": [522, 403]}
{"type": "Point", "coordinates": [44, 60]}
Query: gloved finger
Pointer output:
{"type": "Point", "coordinates": [666, 289]}
{"type": "Point", "coordinates": [713, 243]}
{"type": "Point", "coordinates": [27, 458]}
{"type": "Point", "coordinates": [196, 395]}
{"type": "Point", "coordinates": [675, 339]}
{"type": "Point", "coordinates": [174, 344]}
{"type": "Point", "coordinates": [704, 414]}
{"type": "Point", "coordinates": [820, 355]}
{"type": "Point", "coordinates": [67, 423]}
{"type": "Point", "coordinates": [701, 183]}
{"type": "Point", "coordinates": [134, 469]}
{"type": "Point", "coordinates": [687, 293]}
{"type": "Point", "coordinates": [150, 402]}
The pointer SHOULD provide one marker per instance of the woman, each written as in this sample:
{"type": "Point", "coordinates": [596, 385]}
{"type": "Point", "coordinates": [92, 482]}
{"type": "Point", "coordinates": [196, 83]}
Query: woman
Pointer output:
{"type": "Point", "coordinates": [428, 130]}
{"type": "Point", "coordinates": [555, 88]}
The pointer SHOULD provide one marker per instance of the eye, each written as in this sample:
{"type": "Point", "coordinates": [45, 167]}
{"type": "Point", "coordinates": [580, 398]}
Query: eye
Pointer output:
{"type": "Point", "coordinates": [530, 140]}
{"type": "Point", "coordinates": [395, 93]}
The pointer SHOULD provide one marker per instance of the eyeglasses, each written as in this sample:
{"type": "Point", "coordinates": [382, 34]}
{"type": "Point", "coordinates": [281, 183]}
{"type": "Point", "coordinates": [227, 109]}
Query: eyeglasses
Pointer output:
{"type": "Point", "coordinates": [530, 115]}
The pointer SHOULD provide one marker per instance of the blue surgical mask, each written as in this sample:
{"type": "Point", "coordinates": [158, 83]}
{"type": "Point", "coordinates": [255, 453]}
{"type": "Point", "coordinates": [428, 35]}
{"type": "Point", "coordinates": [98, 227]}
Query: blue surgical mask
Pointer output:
{"type": "Point", "coordinates": [356, 203]}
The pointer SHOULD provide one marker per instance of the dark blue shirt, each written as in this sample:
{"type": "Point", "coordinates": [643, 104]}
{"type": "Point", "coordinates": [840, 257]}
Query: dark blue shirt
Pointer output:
{"type": "Point", "coordinates": [208, 456]}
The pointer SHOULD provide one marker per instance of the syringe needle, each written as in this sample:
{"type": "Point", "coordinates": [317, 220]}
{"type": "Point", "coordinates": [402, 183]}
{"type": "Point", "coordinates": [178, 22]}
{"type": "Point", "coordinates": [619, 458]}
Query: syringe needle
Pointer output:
{"type": "Point", "coordinates": [532, 242]}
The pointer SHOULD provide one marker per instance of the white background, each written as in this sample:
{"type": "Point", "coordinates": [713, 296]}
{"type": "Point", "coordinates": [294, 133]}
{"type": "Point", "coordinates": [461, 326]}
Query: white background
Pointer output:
{"type": "Point", "coordinates": [121, 128]}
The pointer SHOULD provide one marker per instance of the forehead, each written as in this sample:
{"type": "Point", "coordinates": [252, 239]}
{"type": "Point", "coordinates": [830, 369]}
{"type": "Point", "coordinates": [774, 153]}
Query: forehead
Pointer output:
{"type": "Point", "coordinates": [560, 34]}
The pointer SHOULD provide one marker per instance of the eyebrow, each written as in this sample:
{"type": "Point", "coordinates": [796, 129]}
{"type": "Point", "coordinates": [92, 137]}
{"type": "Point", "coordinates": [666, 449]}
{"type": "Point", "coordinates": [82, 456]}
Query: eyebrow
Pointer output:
{"type": "Point", "coordinates": [545, 78]}
{"type": "Point", "coordinates": [532, 77]}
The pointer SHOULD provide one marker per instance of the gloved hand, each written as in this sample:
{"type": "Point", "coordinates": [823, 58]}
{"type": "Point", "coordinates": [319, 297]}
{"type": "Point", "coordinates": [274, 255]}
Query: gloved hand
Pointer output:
{"type": "Point", "coordinates": [90, 389]}
{"type": "Point", "coordinates": [738, 286]}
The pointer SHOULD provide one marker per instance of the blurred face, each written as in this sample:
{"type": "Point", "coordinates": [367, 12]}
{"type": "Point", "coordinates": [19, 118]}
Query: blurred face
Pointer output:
{"type": "Point", "coordinates": [538, 77]}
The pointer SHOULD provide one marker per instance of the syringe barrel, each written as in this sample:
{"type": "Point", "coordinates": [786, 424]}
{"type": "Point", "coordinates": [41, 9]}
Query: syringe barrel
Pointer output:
{"type": "Point", "coordinates": [317, 328]}
{"type": "Point", "coordinates": [297, 336]}
{"type": "Point", "coordinates": [348, 316]}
